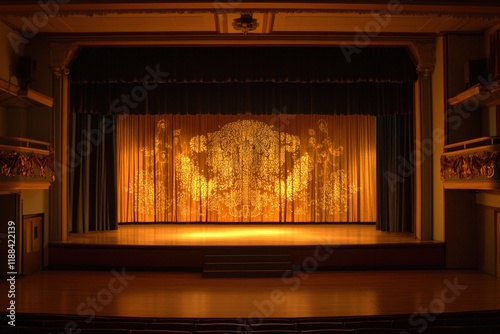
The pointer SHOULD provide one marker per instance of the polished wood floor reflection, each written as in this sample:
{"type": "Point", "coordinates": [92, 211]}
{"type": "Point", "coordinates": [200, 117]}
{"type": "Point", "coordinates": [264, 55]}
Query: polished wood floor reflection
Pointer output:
{"type": "Point", "coordinates": [242, 234]}
{"type": "Point", "coordinates": [315, 294]}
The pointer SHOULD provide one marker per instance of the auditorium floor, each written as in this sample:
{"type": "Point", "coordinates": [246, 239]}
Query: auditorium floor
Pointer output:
{"type": "Point", "coordinates": [314, 294]}
{"type": "Point", "coordinates": [242, 234]}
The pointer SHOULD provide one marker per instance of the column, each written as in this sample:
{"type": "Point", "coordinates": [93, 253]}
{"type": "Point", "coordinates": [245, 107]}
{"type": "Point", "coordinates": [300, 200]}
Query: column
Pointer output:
{"type": "Point", "coordinates": [424, 146]}
{"type": "Point", "coordinates": [61, 54]}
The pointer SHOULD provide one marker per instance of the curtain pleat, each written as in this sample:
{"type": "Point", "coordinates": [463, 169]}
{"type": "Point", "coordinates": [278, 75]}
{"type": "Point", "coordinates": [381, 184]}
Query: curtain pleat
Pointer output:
{"type": "Point", "coordinates": [395, 173]}
{"type": "Point", "coordinates": [92, 173]}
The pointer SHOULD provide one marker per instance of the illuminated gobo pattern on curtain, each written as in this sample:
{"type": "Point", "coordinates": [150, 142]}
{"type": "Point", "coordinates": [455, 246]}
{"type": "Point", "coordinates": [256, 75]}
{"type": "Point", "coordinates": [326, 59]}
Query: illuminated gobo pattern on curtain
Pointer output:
{"type": "Point", "coordinates": [244, 171]}
{"type": "Point", "coordinates": [149, 188]}
{"type": "Point", "coordinates": [245, 160]}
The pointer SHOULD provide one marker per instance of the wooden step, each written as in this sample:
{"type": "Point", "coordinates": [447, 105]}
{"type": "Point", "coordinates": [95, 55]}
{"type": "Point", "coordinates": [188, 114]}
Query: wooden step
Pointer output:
{"type": "Point", "coordinates": [246, 273]}
{"type": "Point", "coordinates": [247, 258]}
{"type": "Point", "coordinates": [247, 265]}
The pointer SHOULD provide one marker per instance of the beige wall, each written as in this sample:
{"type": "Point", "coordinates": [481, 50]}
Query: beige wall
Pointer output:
{"type": "Point", "coordinates": [33, 122]}
{"type": "Point", "coordinates": [470, 216]}
{"type": "Point", "coordinates": [460, 49]}
{"type": "Point", "coordinates": [35, 201]}
{"type": "Point", "coordinates": [7, 55]}
{"type": "Point", "coordinates": [39, 50]}
{"type": "Point", "coordinates": [460, 209]}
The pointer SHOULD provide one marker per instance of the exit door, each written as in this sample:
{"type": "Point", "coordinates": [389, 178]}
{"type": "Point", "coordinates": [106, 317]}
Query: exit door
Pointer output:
{"type": "Point", "coordinates": [33, 243]}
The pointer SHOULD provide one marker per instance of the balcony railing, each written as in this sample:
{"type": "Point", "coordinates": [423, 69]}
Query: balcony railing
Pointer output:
{"type": "Point", "coordinates": [24, 160]}
{"type": "Point", "coordinates": [472, 164]}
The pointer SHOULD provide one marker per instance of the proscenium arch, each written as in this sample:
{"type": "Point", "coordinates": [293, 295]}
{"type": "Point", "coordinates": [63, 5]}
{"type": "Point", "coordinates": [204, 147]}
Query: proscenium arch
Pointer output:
{"type": "Point", "coordinates": [64, 49]}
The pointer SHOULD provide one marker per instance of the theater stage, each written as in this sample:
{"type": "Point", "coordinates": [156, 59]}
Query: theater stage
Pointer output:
{"type": "Point", "coordinates": [183, 247]}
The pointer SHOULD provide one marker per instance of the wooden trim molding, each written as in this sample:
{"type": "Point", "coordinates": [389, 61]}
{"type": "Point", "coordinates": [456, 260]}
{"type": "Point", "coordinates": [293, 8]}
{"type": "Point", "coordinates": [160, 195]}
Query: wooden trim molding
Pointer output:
{"type": "Point", "coordinates": [23, 185]}
{"type": "Point", "coordinates": [455, 8]}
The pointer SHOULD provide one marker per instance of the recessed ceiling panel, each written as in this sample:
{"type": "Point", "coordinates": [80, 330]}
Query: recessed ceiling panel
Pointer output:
{"type": "Point", "coordinates": [109, 23]}
{"type": "Point", "coordinates": [352, 22]}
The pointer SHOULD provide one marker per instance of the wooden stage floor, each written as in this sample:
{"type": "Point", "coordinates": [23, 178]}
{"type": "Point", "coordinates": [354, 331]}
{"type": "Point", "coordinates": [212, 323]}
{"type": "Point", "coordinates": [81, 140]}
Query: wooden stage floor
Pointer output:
{"type": "Point", "coordinates": [180, 247]}
{"type": "Point", "coordinates": [312, 294]}
{"type": "Point", "coordinates": [242, 235]}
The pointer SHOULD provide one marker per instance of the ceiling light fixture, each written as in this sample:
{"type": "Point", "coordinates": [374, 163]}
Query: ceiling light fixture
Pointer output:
{"type": "Point", "coordinates": [245, 23]}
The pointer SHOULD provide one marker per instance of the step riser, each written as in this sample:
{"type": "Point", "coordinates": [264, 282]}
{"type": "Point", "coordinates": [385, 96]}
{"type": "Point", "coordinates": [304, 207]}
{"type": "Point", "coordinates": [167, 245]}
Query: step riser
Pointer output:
{"type": "Point", "coordinates": [253, 274]}
{"type": "Point", "coordinates": [248, 266]}
{"type": "Point", "coordinates": [247, 258]}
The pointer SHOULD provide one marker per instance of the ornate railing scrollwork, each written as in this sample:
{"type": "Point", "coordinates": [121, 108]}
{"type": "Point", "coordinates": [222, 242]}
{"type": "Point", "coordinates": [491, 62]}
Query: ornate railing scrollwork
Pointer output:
{"type": "Point", "coordinates": [468, 167]}
{"type": "Point", "coordinates": [27, 161]}
{"type": "Point", "coordinates": [30, 165]}
{"type": "Point", "coordinates": [474, 164]}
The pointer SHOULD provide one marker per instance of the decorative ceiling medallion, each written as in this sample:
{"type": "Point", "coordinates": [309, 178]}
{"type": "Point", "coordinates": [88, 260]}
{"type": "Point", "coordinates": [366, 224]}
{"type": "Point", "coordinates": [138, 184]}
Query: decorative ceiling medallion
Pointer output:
{"type": "Point", "coordinates": [245, 23]}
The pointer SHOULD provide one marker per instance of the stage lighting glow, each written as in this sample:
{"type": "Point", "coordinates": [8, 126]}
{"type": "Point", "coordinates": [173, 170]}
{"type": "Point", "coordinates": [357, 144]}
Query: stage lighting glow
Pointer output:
{"type": "Point", "coordinates": [244, 170]}
{"type": "Point", "coordinates": [233, 233]}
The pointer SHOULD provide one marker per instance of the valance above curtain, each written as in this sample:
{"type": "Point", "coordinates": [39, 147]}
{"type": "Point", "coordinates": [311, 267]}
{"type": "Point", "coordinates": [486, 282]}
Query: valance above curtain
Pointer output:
{"type": "Point", "coordinates": [241, 80]}
{"type": "Point", "coordinates": [244, 65]}
{"type": "Point", "coordinates": [375, 99]}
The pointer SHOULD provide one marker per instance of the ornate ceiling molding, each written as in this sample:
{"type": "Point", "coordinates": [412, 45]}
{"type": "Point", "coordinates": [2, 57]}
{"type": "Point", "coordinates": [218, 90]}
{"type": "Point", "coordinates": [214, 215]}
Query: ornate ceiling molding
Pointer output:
{"type": "Point", "coordinates": [487, 15]}
{"type": "Point", "coordinates": [485, 10]}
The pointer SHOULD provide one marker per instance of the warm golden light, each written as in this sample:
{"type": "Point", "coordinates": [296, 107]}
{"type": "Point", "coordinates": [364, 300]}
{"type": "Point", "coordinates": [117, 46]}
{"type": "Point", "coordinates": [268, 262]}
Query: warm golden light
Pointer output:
{"type": "Point", "coordinates": [248, 170]}
{"type": "Point", "coordinates": [245, 161]}
{"type": "Point", "coordinates": [235, 233]}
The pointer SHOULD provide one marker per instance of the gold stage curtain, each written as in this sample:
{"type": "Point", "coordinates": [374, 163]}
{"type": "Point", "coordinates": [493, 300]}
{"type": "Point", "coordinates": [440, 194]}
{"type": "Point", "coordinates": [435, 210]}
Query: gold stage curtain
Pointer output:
{"type": "Point", "coordinates": [246, 168]}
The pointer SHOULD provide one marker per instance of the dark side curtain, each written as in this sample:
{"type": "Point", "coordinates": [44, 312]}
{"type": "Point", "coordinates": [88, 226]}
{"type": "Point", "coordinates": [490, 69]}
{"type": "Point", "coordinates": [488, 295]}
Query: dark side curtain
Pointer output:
{"type": "Point", "coordinates": [395, 173]}
{"type": "Point", "coordinates": [93, 173]}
